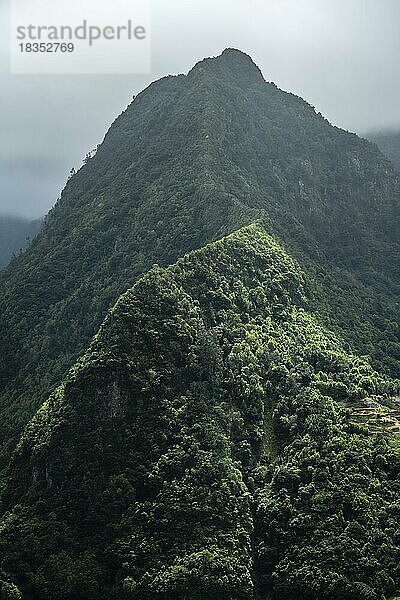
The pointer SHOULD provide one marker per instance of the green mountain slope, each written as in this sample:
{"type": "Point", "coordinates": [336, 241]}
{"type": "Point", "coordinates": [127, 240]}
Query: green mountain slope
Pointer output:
{"type": "Point", "coordinates": [203, 448]}
{"type": "Point", "coordinates": [15, 233]}
{"type": "Point", "coordinates": [191, 159]}
{"type": "Point", "coordinates": [389, 143]}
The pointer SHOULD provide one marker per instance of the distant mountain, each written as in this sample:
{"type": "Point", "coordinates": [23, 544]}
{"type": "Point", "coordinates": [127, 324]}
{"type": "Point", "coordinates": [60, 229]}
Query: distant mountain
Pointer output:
{"type": "Point", "coordinates": [389, 143]}
{"type": "Point", "coordinates": [15, 234]}
{"type": "Point", "coordinates": [231, 432]}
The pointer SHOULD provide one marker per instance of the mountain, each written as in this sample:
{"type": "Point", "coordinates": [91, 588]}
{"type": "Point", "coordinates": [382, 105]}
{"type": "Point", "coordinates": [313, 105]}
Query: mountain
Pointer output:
{"type": "Point", "coordinates": [389, 143]}
{"type": "Point", "coordinates": [201, 448]}
{"type": "Point", "coordinates": [191, 159]}
{"type": "Point", "coordinates": [229, 432]}
{"type": "Point", "coordinates": [15, 233]}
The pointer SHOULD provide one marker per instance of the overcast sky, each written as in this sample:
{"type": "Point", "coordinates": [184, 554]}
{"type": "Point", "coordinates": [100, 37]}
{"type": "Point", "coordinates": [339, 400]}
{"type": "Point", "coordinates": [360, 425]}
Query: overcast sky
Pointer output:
{"type": "Point", "coordinates": [340, 55]}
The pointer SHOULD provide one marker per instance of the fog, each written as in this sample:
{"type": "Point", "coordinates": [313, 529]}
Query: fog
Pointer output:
{"type": "Point", "coordinates": [342, 56]}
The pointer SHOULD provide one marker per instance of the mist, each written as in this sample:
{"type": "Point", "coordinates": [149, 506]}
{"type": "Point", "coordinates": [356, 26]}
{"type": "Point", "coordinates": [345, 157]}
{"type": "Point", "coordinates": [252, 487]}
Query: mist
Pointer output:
{"type": "Point", "coordinates": [340, 56]}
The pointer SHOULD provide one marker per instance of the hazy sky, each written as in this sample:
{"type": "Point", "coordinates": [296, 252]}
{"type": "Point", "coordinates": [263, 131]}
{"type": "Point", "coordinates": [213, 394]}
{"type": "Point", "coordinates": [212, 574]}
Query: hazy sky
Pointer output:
{"type": "Point", "coordinates": [340, 55]}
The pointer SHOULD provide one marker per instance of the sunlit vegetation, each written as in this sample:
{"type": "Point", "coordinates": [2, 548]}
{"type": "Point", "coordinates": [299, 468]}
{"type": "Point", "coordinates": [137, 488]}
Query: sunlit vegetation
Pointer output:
{"type": "Point", "coordinates": [192, 415]}
{"type": "Point", "coordinates": [203, 448]}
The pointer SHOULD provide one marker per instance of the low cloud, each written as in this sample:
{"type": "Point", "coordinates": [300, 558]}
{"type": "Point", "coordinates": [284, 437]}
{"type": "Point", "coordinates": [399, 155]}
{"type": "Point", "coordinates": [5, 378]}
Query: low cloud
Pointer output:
{"type": "Point", "coordinates": [342, 56]}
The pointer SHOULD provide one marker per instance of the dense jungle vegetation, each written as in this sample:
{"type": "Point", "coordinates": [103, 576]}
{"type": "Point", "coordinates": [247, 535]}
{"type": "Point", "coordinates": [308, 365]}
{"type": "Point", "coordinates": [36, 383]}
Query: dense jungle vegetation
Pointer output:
{"type": "Point", "coordinates": [207, 444]}
{"type": "Point", "coordinates": [203, 448]}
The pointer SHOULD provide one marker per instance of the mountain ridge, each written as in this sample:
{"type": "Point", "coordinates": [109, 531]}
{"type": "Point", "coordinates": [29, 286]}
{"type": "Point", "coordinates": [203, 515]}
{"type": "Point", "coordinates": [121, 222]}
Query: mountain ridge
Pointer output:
{"type": "Point", "coordinates": [186, 346]}
{"type": "Point", "coordinates": [158, 187]}
{"type": "Point", "coordinates": [212, 400]}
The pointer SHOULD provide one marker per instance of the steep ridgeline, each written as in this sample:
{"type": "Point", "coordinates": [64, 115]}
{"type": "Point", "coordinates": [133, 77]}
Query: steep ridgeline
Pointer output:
{"type": "Point", "coordinates": [389, 143]}
{"type": "Point", "coordinates": [202, 449]}
{"type": "Point", "coordinates": [193, 158]}
{"type": "Point", "coordinates": [15, 234]}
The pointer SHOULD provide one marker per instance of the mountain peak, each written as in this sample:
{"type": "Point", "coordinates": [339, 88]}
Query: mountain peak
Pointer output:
{"type": "Point", "coordinates": [188, 452]}
{"type": "Point", "coordinates": [237, 55]}
{"type": "Point", "coordinates": [232, 62]}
